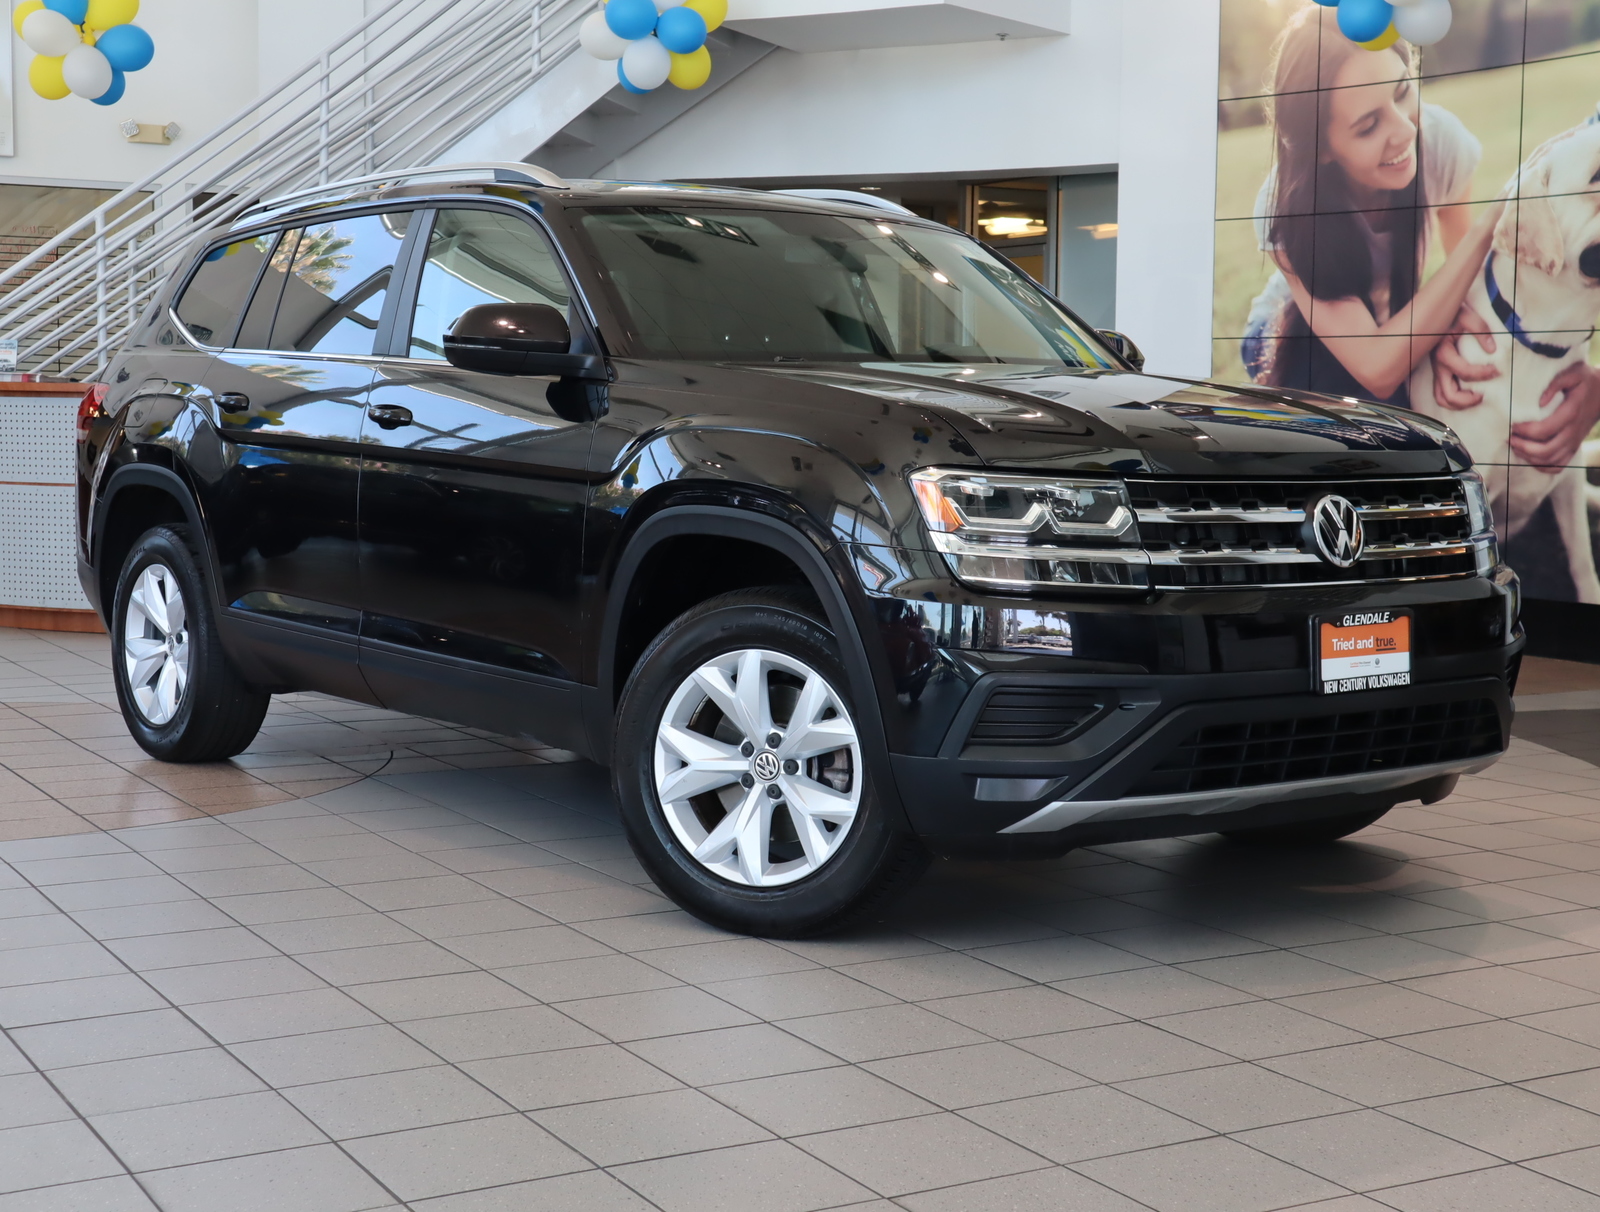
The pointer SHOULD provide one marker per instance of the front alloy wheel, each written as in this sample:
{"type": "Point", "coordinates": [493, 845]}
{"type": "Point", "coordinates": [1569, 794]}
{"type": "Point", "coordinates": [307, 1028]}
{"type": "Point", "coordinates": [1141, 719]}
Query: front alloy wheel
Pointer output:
{"type": "Point", "coordinates": [746, 777]}
{"type": "Point", "coordinates": [155, 644]}
{"type": "Point", "coordinates": [756, 768]}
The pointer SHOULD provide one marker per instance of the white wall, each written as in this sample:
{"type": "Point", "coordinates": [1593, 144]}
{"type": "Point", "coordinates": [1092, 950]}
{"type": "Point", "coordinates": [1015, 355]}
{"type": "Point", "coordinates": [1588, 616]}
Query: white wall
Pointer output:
{"type": "Point", "coordinates": [975, 107]}
{"type": "Point", "coordinates": [1167, 180]}
{"type": "Point", "coordinates": [1132, 87]}
{"type": "Point", "coordinates": [213, 57]}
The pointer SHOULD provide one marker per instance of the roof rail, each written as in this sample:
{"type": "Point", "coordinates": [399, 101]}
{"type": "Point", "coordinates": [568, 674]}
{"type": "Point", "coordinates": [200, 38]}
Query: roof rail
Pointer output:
{"type": "Point", "coordinates": [501, 172]}
{"type": "Point", "coordinates": [848, 195]}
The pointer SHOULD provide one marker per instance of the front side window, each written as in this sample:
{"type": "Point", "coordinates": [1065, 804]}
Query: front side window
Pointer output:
{"type": "Point", "coordinates": [325, 286]}
{"type": "Point", "coordinates": [481, 256]}
{"type": "Point", "coordinates": [781, 286]}
{"type": "Point", "coordinates": [215, 296]}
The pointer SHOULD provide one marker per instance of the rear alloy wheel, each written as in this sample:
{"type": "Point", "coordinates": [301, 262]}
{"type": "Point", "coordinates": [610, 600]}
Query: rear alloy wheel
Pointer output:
{"type": "Point", "coordinates": [155, 644]}
{"type": "Point", "coordinates": [756, 768]}
{"type": "Point", "coordinates": [743, 777]}
{"type": "Point", "coordinates": [180, 695]}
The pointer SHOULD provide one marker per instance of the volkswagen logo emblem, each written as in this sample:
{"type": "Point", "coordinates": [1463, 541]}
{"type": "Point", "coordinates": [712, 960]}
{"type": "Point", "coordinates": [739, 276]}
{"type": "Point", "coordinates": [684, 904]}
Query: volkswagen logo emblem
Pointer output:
{"type": "Point", "coordinates": [766, 766]}
{"type": "Point", "coordinates": [1334, 527]}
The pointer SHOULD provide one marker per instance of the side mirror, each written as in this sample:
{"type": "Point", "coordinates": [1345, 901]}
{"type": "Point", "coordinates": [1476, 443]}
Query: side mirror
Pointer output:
{"type": "Point", "coordinates": [518, 339]}
{"type": "Point", "coordinates": [1123, 347]}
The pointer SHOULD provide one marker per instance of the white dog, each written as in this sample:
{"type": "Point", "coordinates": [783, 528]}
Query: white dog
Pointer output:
{"type": "Point", "coordinates": [1539, 292]}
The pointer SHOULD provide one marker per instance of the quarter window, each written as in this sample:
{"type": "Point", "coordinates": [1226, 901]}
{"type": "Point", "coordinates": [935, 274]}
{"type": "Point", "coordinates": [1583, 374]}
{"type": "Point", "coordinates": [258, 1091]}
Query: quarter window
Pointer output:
{"type": "Point", "coordinates": [325, 286]}
{"type": "Point", "coordinates": [482, 256]}
{"type": "Point", "coordinates": [215, 296]}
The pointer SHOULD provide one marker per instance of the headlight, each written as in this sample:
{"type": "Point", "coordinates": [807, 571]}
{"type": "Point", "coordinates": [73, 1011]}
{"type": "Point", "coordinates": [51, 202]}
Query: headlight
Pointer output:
{"type": "Point", "coordinates": [1480, 516]}
{"type": "Point", "coordinates": [1023, 532]}
{"type": "Point", "coordinates": [1478, 511]}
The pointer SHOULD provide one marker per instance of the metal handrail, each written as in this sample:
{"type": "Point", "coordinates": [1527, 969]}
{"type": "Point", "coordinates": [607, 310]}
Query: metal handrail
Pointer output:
{"type": "Point", "coordinates": [384, 99]}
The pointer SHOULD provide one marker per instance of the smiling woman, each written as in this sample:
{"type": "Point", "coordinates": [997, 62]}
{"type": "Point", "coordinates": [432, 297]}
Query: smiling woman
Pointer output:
{"type": "Point", "coordinates": [1357, 156]}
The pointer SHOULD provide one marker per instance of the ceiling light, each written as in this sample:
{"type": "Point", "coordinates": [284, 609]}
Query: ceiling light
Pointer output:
{"type": "Point", "coordinates": [1013, 225]}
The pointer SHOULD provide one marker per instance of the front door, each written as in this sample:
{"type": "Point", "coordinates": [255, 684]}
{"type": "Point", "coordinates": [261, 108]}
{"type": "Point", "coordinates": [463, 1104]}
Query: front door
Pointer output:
{"type": "Point", "coordinates": [472, 503]}
{"type": "Point", "coordinates": [290, 395]}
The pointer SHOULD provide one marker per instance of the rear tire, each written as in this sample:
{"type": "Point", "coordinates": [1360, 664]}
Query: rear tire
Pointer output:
{"type": "Point", "coordinates": [761, 818]}
{"type": "Point", "coordinates": [1306, 833]}
{"type": "Point", "coordinates": [180, 696]}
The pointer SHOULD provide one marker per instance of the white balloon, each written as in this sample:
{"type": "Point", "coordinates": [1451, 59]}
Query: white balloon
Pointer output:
{"type": "Point", "coordinates": [646, 62]}
{"type": "Point", "coordinates": [50, 34]}
{"type": "Point", "coordinates": [663, 5]}
{"type": "Point", "coordinates": [1423, 23]}
{"type": "Point", "coordinates": [1404, 3]}
{"type": "Point", "coordinates": [596, 38]}
{"type": "Point", "coordinates": [87, 72]}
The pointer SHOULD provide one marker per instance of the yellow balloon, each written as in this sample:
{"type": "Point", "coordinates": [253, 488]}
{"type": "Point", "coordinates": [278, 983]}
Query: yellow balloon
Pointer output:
{"type": "Point", "coordinates": [103, 14]}
{"type": "Point", "coordinates": [23, 11]}
{"type": "Point", "coordinates": [45, 76]}
{"type": "Point", "coordinates": [714, 11]}
{"type": "Point", "coordinates": [1384, 40]}
{"type": "Point", "coordinates": [691, 70]}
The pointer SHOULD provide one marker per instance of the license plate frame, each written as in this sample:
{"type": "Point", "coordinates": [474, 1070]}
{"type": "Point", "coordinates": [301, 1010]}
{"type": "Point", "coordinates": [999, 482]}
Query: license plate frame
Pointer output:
{"type": "Point", "coordinates": [1358, 650]}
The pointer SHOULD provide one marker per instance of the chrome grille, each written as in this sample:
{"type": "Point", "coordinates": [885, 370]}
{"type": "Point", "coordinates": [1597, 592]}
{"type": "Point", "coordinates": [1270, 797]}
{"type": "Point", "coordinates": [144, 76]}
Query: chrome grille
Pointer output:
{"type": "Point", "coordinates": [1216, 534]}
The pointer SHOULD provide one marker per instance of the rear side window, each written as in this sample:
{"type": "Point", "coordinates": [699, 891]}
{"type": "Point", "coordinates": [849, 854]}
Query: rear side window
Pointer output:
{"type": "Point", "coordinates": [215, 296]}
{"type": "Point", "coordinates": [325, 286]}
{"type": "Point", "coordinates": [482, 256]}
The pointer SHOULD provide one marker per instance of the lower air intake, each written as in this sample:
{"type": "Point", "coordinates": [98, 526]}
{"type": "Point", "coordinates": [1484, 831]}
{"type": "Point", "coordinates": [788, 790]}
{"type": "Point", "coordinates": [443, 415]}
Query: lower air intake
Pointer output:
{"type": "Point", "coordinates": [1223, 756]}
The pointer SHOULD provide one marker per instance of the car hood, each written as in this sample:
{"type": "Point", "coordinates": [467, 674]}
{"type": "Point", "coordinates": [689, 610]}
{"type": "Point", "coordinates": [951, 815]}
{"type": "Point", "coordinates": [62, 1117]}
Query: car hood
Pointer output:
{"type": "Point", "coordinates": [1118, 421]}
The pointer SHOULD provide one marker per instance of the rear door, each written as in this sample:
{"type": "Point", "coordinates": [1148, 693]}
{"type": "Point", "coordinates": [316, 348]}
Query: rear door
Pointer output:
{"type": "Point", "coordinates": [472, 499]}
{"type": "Point", "coordinates": [290, 392]}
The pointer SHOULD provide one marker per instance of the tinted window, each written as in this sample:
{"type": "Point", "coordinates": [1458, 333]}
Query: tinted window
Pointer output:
{"type": "Point", "coordinates": [256, 330]}
{"type": "Point", "coordinates": [333, 279]}
{"type": "Point", "coordinates": [482, 256]}
{"type": "Point", "coordinates": [215, 296]}
{"type": "Point", "coordinates": [780, 285]}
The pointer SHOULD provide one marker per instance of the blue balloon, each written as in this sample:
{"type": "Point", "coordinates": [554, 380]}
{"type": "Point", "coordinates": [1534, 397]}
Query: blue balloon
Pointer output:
{"type": "Point", "coordinates": [631, 19]}
{"type": "Point", "coordinates": [73, 10]}
{"type": "Point", "coordinates": [126, 47]}
{"type": "Point", "coordinates": [1364, 20]}
{"type": "Point", "coordinates": [119, 85]}
{"type": "Point", "coordinates": [622, 76]}
{"type": "Point", "coordinates": [1329, 3]}
{"type": "Point", "coordinates": [681, 30]}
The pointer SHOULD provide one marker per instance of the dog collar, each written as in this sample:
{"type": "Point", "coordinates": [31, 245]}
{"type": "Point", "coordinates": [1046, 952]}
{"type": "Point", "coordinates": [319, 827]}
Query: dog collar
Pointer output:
{"type": "Point", "coordinates": [1513, 321]}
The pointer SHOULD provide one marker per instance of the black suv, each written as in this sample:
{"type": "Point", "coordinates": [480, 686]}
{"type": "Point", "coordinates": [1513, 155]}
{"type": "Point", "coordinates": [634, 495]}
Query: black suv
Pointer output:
{"type": "Point", "coordinates": [830, 532]}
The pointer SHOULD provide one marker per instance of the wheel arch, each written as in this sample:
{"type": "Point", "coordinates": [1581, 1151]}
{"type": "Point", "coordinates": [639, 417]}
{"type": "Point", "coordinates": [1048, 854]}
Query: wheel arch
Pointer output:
{"type": "Point", "coordinates": [136, 497]}
{"type": "Point", "coordinates": [803, 552]}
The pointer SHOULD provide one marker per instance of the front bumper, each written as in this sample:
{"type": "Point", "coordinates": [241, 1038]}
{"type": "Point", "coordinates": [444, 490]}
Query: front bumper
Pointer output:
{"type": "Point", "coordinates": [1094, 788]}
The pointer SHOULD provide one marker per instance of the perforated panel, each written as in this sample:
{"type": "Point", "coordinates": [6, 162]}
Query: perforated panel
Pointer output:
{"type": "Point", "coordinates": [37, 443]}
{"type": "Point", "coordinates": [38, 564]}
{"type": "Point", "coordinates": [38, 561]}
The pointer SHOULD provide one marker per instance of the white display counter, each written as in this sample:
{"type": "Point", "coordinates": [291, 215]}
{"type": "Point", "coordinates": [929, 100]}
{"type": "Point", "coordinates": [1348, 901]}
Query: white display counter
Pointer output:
{"type": "Point", "coordinates": [38, 566]}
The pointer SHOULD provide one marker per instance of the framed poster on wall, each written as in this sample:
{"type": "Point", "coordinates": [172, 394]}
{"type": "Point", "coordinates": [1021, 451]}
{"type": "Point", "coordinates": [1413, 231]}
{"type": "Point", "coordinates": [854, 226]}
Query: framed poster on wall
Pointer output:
{"type": "Point", "coordinates": [1420, 226]}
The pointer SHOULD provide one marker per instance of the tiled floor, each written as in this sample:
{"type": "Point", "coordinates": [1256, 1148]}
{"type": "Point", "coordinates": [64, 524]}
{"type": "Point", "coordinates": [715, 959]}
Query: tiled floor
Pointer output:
{"type": "Point", "coordinates": [67, 764]}
{"type": "Point", "coordinates": [451, 990]}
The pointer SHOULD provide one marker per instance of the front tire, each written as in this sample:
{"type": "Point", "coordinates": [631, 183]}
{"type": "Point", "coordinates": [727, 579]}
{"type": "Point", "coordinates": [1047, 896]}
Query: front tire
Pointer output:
{"type": "Point", "coordinates": [180, 696]}
{"type": "Point", "coordinates": [738, 765]}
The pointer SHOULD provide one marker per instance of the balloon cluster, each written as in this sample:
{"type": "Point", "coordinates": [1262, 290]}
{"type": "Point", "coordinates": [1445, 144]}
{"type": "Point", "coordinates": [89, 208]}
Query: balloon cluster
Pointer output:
{"type": "Point", "coordinates": [85, 47]}
{"type": "Point", "coordinates": [1379, 24]}
{"type": "Point", "coordinates": [654, 41]}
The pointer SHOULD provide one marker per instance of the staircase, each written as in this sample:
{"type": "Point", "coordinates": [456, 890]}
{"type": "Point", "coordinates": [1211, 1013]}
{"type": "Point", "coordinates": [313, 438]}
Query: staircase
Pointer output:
{"type": "Point", "coordinates": [400, 90]}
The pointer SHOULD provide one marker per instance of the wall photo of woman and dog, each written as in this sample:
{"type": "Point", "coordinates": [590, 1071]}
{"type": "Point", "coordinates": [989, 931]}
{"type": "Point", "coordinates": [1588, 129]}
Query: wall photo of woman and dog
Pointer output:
{"type": "Point", "coordinates": [1420, 226]}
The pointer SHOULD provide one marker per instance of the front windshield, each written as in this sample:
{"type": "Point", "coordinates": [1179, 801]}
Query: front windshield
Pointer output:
{"type": "Point", "coordinates": [783, 286]}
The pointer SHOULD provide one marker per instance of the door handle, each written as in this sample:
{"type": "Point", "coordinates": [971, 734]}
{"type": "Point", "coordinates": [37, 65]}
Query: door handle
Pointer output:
{"type": "Point", "coordinates": [233, 401]}
{"type": "Point", "coordinates": [389, 416]}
